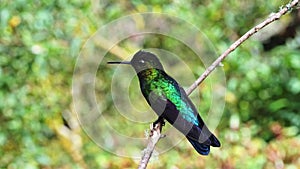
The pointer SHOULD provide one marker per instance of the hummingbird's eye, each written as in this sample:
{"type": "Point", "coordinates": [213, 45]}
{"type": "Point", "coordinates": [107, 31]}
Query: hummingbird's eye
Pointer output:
{"type": "Point", "coordinates": [142, 61]}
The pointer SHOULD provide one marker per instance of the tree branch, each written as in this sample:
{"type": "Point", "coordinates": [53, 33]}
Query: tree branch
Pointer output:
{"type": "Point", "coordinates": [156, 131]}
{"type": "Point", "coordinates": [155, 135]}
{"type": "Point", "coordinates": [270, 19]}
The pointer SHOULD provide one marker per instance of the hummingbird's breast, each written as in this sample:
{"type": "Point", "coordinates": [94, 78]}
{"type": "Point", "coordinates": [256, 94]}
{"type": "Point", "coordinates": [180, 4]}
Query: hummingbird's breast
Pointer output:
{"type": "Point", "coordinates": [146, 78]}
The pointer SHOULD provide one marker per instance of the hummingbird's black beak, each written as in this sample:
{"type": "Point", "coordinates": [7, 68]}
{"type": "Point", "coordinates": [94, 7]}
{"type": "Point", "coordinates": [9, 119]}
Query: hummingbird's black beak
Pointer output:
{"type": "Point", "coordinates": [125, 62]}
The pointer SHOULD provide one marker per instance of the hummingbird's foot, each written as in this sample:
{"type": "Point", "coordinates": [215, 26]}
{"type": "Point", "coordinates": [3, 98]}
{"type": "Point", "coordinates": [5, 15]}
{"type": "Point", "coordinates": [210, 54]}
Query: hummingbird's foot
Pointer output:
{"type": "Point", "coordinates": [159, 120]}
{"type": "Point", "coordinates": [162, 123]}
{"type": "Point", "coordinates": [158, 124]}
{"type": "Point", "coordinates": [156, 129]}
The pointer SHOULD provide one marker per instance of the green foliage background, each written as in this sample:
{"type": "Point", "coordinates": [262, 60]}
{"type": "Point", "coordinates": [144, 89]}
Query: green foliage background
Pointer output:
{"type": "Point", "coordinates": [39, 45]}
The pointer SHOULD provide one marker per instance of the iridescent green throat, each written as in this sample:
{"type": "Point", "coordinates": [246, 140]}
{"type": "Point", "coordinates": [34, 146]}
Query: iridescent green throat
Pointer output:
{"type": "Point", "coordinates": [149, 74]}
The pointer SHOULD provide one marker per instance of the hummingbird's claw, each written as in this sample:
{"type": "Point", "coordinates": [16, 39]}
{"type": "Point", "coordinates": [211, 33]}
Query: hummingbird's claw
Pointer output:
{"type": "Point", "coordinates": [159, 120]}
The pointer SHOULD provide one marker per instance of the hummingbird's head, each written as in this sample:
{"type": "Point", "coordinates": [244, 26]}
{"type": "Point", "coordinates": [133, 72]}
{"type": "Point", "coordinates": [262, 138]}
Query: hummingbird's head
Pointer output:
{"type": "Point", "coordinates": [143, 60]}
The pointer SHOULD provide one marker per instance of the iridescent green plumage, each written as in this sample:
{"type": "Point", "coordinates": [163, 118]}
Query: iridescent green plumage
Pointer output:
{"type": "Point", "coordinates": [170, 102]}
{"type": "Point", "coordinates": [158, 82]}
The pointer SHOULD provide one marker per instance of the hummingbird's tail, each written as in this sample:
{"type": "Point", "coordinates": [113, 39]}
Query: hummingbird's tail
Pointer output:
{"type": "Point", "coordinates": [214, 141]}
{"type": "Point", "coordinates": [200, 147]}
{"type": "Point", "coordinates": [203, 148]}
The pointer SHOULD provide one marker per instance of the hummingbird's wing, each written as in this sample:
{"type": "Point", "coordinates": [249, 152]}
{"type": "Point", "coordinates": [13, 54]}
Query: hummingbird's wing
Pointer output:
{"type": "Point", "coordinates": [190, 130]}
{"type": "Point", "coordinates": [200, 127]}
{"type": "Point", "coordinates": [175, 106]}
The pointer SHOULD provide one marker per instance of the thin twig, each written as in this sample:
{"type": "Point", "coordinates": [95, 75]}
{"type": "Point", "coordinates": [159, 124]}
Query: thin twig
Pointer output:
{"type": "Point", "coordinates": [155, 135]}
{"type": "Point", "coordinates": [237, 43]}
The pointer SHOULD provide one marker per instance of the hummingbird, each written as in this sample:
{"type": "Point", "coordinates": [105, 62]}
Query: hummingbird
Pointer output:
{"type": "Point", "coordinates": [170, 102]}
